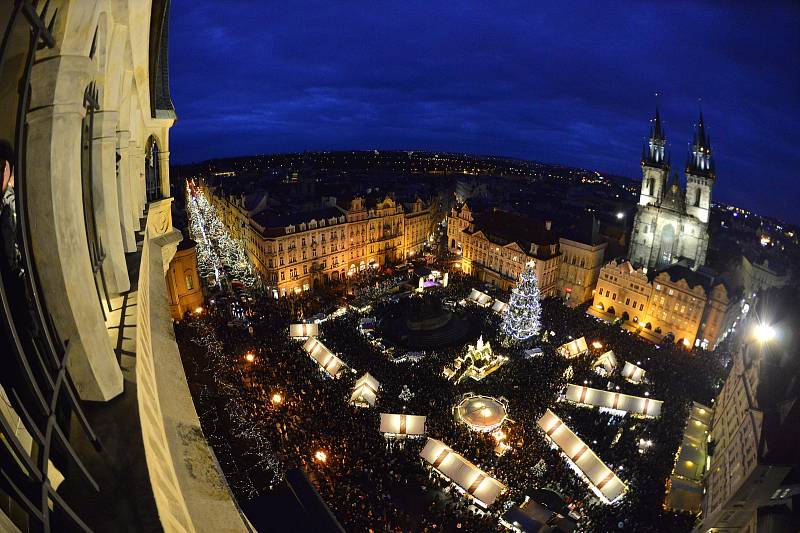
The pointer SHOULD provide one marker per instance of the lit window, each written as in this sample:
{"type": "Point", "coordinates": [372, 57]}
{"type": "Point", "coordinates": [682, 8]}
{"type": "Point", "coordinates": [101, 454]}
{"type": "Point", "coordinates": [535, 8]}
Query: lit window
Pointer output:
{"type": "Point", "coordinates": [189, 282]}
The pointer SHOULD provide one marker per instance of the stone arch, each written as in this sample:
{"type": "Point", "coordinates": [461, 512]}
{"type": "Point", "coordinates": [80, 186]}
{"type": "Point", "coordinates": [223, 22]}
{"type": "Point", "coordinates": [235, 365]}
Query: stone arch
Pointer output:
{"type": "Point", "coordinates": [600, 306]}
{"type": "Point", "coordinates": [611, 310]}
{"type": "Point", "coordinates": [152, 168]}
{"type": "Point", "coordinates": [666, 245]}
{"type": "Point", "coordinates": [625, 316]}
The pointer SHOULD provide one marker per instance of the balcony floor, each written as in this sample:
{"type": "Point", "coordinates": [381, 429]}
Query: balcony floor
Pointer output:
{"type": "Point", "coordinates": [125, 502]}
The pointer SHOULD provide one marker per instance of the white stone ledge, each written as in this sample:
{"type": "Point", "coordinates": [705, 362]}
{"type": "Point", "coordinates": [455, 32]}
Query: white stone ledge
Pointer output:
{"type": "Point", "coordinates": [189, 489]}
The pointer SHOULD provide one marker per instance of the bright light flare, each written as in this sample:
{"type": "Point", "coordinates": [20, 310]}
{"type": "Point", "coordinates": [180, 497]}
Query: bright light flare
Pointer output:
{"type": "Point", "coordinates": [764, 332]}
{"type": "Point", "coordinates": [249, 357]}
{"type": "Point", "coordinates": [321, 456]}
{"type": "Point", "coordinates": [620, 215]}
{"type": "Point", "coordinates": [277, 398]}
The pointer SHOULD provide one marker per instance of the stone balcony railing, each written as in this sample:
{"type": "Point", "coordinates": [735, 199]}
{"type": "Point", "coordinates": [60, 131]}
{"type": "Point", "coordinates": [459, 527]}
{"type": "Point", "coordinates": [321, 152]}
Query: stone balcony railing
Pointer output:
{"type": "Point", "coordinates": [188, 486]}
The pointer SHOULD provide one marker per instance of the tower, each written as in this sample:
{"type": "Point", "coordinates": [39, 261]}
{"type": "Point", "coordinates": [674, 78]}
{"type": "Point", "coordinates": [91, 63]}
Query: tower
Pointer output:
{"type": "Point", "coordinates": [700, 174]}
{"type": "Point", "coordinates": [655, 165]}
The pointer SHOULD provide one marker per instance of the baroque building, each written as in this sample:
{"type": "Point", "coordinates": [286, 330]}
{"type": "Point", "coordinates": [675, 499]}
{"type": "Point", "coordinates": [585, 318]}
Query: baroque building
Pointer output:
{"type": "Point", "coordinates": [295, 250]}
{"type": "Point", "coordinates": [694, 306]}
{"type": "Point", "coordinates": [495, 246]}
{"type": "Point", "coordinates": [672, 224]}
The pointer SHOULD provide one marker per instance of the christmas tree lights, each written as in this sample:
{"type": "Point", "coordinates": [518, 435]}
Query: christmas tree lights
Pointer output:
{"type": "Point", "coordinates": [522, 317]}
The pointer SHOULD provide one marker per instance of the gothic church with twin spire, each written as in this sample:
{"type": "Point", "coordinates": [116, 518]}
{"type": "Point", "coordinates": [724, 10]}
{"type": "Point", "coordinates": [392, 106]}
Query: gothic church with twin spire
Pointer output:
{"type": "Point", "coordinates": [671, 223]}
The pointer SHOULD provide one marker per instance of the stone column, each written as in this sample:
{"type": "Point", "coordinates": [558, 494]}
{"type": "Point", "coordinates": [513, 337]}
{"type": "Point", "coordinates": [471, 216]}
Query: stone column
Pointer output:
{"type": "Point", "coordinates": [58, 233]}
{"type": "Point", "coordinates": [128, 226]}
{"type": "Point", "coordinates": [163, 173]}
{"type": "Point", "coordinates": [136, 164]}
{"type": "Point", "coordinates": [106, 200]}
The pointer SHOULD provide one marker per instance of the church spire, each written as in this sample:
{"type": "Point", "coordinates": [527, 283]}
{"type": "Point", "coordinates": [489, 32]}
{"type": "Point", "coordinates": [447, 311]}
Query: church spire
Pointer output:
{"type": "Point", "coordinates": [655, 151]}
{"type": "Point", "coordinates": [700, 162]}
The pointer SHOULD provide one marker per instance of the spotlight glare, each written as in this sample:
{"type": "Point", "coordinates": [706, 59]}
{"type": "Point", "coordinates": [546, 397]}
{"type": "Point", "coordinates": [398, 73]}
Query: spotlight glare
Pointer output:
{"type": "Point", "coordinates": [764, 332]}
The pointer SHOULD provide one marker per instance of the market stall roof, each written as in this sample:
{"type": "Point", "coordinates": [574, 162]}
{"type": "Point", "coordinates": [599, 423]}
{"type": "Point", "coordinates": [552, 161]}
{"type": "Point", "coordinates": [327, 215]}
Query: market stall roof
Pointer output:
{"type": "Point", "coordinates": [685, 485]}
{"type": "Point", "coordinates": [613, 400]}
{"type": "Point", "coordinates": [573, 348]}
{"type": "Point", "coordinates": [608, 361]}
{"type": "Point", "coordinates": [323, 356]}
{"type": "Point", "coordinates": [299, 331]}
{"type": "Point", "coordinates": [633, 373]}
{"type": "Point", "coordinates": [402, 424]}
{"type": "Point", "coordinates": [480, 298]}
{"type": "Point", "coordinates": [601, 479]}
{"type": "Point", "coordinates": [499, 307]}
{"type": "Point", "coordinates": [365, 391]}
{"type": "Point", "coordinates": [472, 480]}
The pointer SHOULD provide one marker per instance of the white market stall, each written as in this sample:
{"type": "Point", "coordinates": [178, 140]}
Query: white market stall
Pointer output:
{"type": "Point", "coordinates": [303, 331]}
{"type": "Point", "coordinates": [601, 479]}
{"type": "Point", "coordinates": [499, 307]}
{"type": "Point", "coordinates": [633, 373]}
{"type": "Point", "coordinates": [479, 298]}
{"type": "Point", "coordinates": [573, 348]}
{"type": "Point", "coordinates": [469, 479]}
{"type": "Point", "coordinates": [402, 425]}
{"type": "Point", "coordinates": [365, 391]}
{"type": "Point", "coordinates": [324, 357]}
{"type": "Point", "coordinates": [607, 361]}
{"type": "Point", "coordinates": [613, 401]}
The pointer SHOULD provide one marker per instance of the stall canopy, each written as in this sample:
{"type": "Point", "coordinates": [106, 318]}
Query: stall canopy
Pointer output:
{"type": "Point", "coordinates": [472, 480]}
{"type": "Point", "coordinates": [573, 348]}
{"type": "Point", "coordinates": [365, 391]}
{"type": "Point", "coordinates": [300, 331]}
{"type": "Point", "coordinates": [685, 484]}
{"type": "Point", "coordinates": [499, 307]}
{"type": "Point", "coordinates": [479, 298]}
{"type": "Point", "coordinates": [323, 356]}
{"type": "Point", "coordinates": [633, 373]}
{"type": "Point", "coordinates": [394, 424]}
{"type": "Point", "coordinates": [601, 479]}
{"type": "Point", "coordinates": [608, 361]}
{"type": "Point", "coordinates": [613, 400]}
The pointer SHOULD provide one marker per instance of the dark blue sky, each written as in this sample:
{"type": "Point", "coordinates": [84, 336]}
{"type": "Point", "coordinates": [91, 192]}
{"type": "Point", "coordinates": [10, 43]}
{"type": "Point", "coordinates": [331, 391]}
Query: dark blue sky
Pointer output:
{"type": "Point", "coordinates": [563, 82]}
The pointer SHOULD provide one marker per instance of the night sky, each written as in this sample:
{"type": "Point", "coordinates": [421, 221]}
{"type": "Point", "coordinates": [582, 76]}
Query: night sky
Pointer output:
{"type": "Point", "coordinates": [567, 82]}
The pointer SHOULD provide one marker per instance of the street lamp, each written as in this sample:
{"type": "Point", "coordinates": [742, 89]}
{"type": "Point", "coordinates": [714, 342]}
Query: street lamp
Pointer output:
{"type": "Point", "coordinates": [620, 215]}
{"type": "Point", "coordinates": [321, 456]}
{"type": "Point", "coordinates": [249, 357]}
{"type": "Point", "coordinates": [277, 398]}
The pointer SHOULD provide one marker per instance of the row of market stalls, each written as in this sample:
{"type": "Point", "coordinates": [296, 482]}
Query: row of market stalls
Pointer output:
{"type": "Point", "coordinates": [615, 402]}
{"type": "Point", "coordinates": [600, 478]}
{"type": "Point", "coordinates": [481, 299]}
{"type": "Point", "coordinates": [685, 484]}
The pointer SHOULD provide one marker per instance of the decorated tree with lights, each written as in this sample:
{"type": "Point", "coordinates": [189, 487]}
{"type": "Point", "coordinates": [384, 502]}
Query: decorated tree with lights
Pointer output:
{"type": "Point", "coordinates": [522, 319]}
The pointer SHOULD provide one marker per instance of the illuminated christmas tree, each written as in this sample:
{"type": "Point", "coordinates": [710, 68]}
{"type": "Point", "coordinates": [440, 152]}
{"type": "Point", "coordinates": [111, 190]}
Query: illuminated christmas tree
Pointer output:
{"type": "Point", "coordinates": [523, 315]}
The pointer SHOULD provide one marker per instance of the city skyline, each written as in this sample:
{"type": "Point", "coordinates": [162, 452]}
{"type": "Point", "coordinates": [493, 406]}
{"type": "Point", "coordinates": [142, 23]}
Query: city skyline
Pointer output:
{"type": "Point", "coordinates": [572, 86]}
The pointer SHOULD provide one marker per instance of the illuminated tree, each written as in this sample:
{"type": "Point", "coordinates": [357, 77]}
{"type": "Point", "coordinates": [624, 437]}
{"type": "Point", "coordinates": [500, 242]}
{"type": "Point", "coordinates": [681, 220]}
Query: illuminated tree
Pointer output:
{"type": "Point", "coordinates": [522, 319]}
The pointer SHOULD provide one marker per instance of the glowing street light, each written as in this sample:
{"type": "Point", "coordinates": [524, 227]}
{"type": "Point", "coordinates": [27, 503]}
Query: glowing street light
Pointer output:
{"type": "Point", "coordinates": [277, 398]}
{"type": "Point", "coordinates": [764, 333]}
{"type": "Point", "coordinates": [620, 215]}
{"type": "Point", "coordinates": [249, 357]}
{"type": "Point", "coordinates": [321, 456]}
{"type": "Point", "coordinates": [198, 310]}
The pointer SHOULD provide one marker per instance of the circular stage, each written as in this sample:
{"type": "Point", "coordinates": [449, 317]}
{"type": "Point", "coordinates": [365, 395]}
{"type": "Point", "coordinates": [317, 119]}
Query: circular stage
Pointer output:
{"type": "Point", "coordinates": [424, 324]}
{"type": "Point", "coordinates": [481, 413]}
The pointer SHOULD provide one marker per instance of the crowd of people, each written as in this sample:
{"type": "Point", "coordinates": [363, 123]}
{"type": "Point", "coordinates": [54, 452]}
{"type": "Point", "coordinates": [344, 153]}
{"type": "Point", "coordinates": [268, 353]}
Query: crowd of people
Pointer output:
{"type": "Point", "coordinates": [278, 410]}
{"type": "Point", "coordinates": [267, 407]}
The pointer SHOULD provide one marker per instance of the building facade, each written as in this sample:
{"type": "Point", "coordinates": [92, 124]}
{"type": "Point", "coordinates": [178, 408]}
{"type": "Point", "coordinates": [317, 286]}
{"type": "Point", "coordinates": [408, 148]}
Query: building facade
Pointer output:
{"type": "Point", "coordinates": [496, 245]}
{"type": "Point", "coordinates": [695, 308]}
{"type": "Point", "coordinates": [579, 269]}
{"type": "Point", "coordinates": [672, 224]}
{"type": "Point", "coordinates": [183, 281]}
{"type": "Point", "coordinates": [752, 481]}
{"type": "Point", "coordinates": [294, 252]}
{"type": "Point", "coordinates": [84, 133]}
